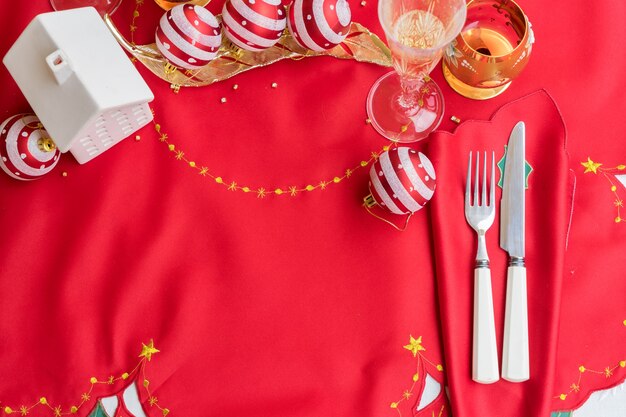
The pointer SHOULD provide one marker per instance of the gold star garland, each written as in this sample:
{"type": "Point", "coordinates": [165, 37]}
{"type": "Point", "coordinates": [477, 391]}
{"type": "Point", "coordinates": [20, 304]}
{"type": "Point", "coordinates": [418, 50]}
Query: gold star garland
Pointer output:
{"type": "Point", "coordinates": [416, 348]}
{"type": "Point", "coordinates": [57, 411]}
{"type": "Point", "coordinates": [595, 168]}
{"type": "Point", "coordinates": [264, 191]}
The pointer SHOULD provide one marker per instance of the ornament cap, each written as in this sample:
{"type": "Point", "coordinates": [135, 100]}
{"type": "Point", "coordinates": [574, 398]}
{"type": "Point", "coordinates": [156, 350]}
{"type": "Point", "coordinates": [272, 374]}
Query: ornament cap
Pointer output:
{"type": "Point", "coordinates": [369, 201]}
{"type": "Point", "coordinates": [46, 145]}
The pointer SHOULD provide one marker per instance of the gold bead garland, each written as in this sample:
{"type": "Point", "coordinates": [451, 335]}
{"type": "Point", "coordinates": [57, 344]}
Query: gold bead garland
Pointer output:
{"type": "Point", "coordinates": [264, 191]}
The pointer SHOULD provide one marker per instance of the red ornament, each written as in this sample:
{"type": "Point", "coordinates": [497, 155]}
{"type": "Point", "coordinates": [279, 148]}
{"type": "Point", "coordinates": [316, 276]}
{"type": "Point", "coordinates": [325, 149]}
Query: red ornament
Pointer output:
{"type": "Point", "coordinates": [402, 180]}
{"type": "Point", "coordinates": [254, 25]}
{"type": "Point", "coordinates": [26, 150]}
{"type": "Point", "coordinates": [319, 24]}
{"type": "Point", "coordinates": [188, 36]}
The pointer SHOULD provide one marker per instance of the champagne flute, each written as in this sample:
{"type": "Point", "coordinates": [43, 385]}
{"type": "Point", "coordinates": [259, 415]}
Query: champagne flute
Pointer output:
{"type": "Point", "coordinates": [405, 105]}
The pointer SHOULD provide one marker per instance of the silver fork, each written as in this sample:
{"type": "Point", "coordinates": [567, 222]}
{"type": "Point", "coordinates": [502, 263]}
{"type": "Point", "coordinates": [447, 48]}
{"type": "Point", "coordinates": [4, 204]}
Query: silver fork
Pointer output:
{"type": "Point", "coordinates": [480, 214]}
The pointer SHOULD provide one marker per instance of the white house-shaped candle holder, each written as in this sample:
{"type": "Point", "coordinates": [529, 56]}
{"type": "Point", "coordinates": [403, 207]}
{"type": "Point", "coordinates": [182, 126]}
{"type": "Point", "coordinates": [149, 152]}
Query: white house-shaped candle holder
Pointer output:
{"type": "Point", "coordinates": [79, 82]}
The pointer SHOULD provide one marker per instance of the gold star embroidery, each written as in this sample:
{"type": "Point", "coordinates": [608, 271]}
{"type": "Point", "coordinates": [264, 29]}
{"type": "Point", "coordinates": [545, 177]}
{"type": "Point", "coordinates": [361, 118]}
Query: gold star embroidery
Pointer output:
{"type": "Point", "coordinates": [348, 173]}
{"type": "Point", "coordinates": [323, 185]}
{"type": "Point", "coordinates": [415, 345]}
{"type": "Point", "coordinates": [232, 186]}
{"type": "Point", "coordinates": [179, 155]}
{"type": "Point", "coordinates": [133, 28]}
{"type": "Point", "coordinates": [261, 193]}
{"type": "Point", "coordinates": [148, 350]}
{"type": "Point", "coordinates": [407, 394]}
{"type": "Point", "coordinates": [204, 171]}
{"type": "Point", "coordinates": [23, 410]}
{"type": "Point", "coordinates": [57, 411]}
{"type": "Point", "coordinates": [293, 190]}
{"type": "Point", "coordinates": [608, 372]}
{"type": "Point", "coordinates": [153, 400]}
{"type": "Point", "coordinates": [575, 387]}
{"type": "Point", "coordinates": [163, 137]}
{"type": "Point", "coordinates": [619, 203]}
{"type": "Point", "coordinates": [590, 166]}
{"type": "Point", "coordinates": [85, 397]}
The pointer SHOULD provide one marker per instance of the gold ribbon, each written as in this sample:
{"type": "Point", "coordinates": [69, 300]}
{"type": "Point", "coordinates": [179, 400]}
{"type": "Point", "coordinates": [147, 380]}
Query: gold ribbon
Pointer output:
{"type": "Point", "coordinates": [360, 45]}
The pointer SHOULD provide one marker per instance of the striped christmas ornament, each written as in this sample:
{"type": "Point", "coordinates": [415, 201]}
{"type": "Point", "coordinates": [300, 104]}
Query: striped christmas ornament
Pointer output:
{"type": "Point", "coordinates": [254, 25]}
{"type": "Point", "coordinates": [26, 150]}
{"type": "Point", "coordinates": [402, 180]}
{"type": "Point", "coordinates": [188, 36]}
{"type": "Point", "coordinates": [319, 24]}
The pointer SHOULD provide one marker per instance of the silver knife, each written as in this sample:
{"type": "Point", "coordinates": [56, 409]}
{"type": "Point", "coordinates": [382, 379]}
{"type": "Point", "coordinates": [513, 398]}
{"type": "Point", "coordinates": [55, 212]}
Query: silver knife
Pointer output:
{"type": "Point", "coordinates": [515, 355]}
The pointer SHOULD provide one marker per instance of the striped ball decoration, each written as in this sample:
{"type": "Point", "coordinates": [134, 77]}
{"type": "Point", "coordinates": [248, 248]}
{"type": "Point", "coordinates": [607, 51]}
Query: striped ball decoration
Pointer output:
{"type": "Point", "coordinates": [254, 25]}
{"type": "Point", "coordinates": [319, 24]}
{"type": "Point", "coordinates": [188, 36]}
{"type": "Point", "coordinates": [402, 180]}
{"type": "Point", "coordinates": [26, 150]}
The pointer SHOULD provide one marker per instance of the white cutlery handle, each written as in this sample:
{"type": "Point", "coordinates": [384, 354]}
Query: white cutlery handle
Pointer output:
{"type": "Point", "coordinates": [515, 357]}
{"type": "Point", "coordinates": [485, 354]}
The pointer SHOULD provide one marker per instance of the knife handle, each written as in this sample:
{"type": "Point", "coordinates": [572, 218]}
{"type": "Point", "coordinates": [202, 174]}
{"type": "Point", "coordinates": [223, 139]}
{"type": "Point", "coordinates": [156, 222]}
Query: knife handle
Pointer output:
{"type": "Point", "coordinates": [515, 357]}
{"type": "Point", "coordinates": [485, 354]}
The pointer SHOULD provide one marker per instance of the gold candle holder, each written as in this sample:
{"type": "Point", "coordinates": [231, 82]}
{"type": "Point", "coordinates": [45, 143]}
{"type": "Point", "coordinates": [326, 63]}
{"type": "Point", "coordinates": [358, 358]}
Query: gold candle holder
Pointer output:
{"type": "Point", "coordinates": [492, 49]}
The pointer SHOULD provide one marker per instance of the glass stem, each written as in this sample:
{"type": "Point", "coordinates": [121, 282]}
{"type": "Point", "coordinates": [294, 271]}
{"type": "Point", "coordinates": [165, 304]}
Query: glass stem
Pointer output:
{"type": "Point", "coordinates": [409, 98]}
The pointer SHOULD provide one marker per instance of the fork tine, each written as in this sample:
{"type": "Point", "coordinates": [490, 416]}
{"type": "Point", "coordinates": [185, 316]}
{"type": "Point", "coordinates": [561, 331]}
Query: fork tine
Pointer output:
{"type": "Point", "coordinates": [492, 189]}
{"type": "Point", "coordinates": [468, 181]}
{"type": "Point", "coordinates": [476, 178]}
{"type": "Point", "coordinates": [484, 190]}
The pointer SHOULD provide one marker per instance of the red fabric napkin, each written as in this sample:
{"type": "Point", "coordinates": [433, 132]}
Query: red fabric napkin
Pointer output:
{"type": "Point", "coordinates": [548, 206]}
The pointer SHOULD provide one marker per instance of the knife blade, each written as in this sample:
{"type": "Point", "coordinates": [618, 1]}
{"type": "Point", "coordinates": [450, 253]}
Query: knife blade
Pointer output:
{"type": "Point", "coordinates": [515, 355]}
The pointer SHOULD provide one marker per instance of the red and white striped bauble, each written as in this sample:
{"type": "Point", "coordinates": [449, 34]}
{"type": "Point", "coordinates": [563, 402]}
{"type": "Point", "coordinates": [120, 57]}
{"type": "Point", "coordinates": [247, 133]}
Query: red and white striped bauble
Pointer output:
{"type": "Point", "coordinates": [188, 36]}
{"type": "Point", "coordinates": [20, 153]}
{"type": "Point", "coordinates": [254, 25]}
{"type": "Point", "coordinates": [402, 180]}
{"type": "Point", "coordinates": [319, 24]}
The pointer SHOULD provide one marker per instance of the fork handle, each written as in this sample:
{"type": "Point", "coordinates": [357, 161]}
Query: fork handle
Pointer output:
{"type": "Point", "coordinates": [485, 354]}
{"type": "Point", "coordinates": [515, 357]}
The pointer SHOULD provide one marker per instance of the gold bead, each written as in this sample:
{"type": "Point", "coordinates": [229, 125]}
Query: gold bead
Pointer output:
{"type": "Point", "coordinates": [93, 380]}
{"type": "Point", "coordinates": [394, 405]}
{"type": "Point", "coordinates": [364, 163]}
{"type": "Point", "coordinates": [166, 411]}
{"type": "Point", "coordinates": [618, 219]}
{"type": "Point", "coordinates": [582, 369]}
{"type": "Point", "coordinates": [43, 400]}
{"type": "Point", "coordinates": [621, 167]}
{"type": "Point", "coordinates": [171, 147]}
{"type": "Point", "coordinates": [309, 187]}
{"type": "Point", "coordinates": [245, 189]}
{"type": "Point", "coordinates": [439, 368]}
{"type": "Point", "coordinates": [563, 397]}
{"type": "Point", "coordinates": [416, 377]}
{"type": "Point", "coordinates": [74, 409]}
{"type": "Point", "coordinates": [622, 364]}
{"type": "Point", "coordinates": [336, 180]}
{"type": "Point", "coordinates": [613, 188]}
{"type": "Point", "coordinates": [8, 410]}
{"type": "Point", "coordinates": [146, 383]}
{"type": "Point", "coordinates": [125, 375]}
{"type": "Point", "coordinates": [192, 164]}
{"type": "Point", "coordinates": [278, 191]}
{"type": "Point", "coordinates": [219, 180]}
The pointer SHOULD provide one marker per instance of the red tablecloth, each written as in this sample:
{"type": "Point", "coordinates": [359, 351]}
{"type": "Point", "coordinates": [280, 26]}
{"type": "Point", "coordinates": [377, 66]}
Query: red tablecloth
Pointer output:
{"type": "Point", "coordinates": [266, 304]}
